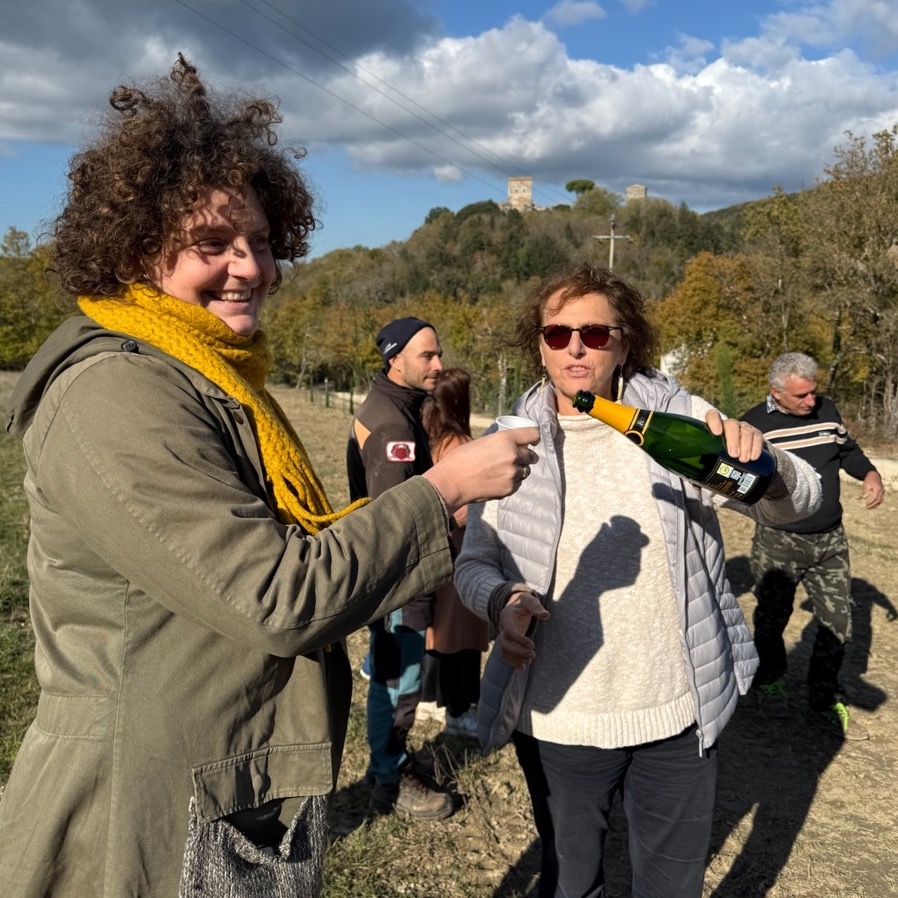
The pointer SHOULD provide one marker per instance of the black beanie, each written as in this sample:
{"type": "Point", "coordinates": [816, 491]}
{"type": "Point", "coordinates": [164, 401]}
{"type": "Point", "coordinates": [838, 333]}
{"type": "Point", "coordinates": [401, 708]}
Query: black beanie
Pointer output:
{"type": "Point", "coordinates": [392, 338]}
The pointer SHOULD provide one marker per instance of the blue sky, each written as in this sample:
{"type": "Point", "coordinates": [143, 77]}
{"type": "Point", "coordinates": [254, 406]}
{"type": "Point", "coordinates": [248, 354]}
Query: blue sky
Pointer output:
{"type": "Point", "coordinates": [405, 105]}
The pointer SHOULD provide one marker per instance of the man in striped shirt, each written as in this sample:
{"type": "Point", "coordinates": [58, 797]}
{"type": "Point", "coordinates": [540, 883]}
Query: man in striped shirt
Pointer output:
{"type": "Point", "coordinates": [814, 551]}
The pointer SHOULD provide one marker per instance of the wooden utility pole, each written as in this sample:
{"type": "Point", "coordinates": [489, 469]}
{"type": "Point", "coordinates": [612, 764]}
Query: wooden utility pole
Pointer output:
{"type": "Point", "coordinates": [611, 238]}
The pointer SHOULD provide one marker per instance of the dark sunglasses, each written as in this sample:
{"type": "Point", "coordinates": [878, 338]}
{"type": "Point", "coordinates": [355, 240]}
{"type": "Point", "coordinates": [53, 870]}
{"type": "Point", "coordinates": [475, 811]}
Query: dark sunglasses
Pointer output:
{"type": "Point", "coordinates": [594, 336]}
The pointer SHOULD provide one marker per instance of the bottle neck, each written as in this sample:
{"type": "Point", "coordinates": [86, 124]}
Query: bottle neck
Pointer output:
{"type": "Point", "coordinates": [620, 417]}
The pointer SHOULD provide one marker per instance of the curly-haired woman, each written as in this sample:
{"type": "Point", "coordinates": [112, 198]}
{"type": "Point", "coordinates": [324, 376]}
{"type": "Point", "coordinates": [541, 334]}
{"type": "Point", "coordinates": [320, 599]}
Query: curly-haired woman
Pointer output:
{"type": "Point", "coordinates": [190, 584]}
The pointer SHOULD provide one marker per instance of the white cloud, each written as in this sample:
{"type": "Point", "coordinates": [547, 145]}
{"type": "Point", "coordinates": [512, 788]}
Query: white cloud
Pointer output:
{"type": "Point", "coordinates": [715, 130]}
{"type": "Point", "coordinates": [635, 6]}
{"type": "Point", "coordinates": [574, 12]}
{"type": "Point", "coordinates": [835, 23]}
{"type": "Point", "coordinates": [690, 53]}
{"type": "Point", "coordinates": [707, 126]}
{"type": "Point", "coordinates": [448, 174]}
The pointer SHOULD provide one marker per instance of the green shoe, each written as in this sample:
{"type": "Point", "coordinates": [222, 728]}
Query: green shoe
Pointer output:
{"type": "Point", "coordinates": [837, 719]}
{"type": "Point", "coordinates": [773, 692]}
{"type": "Point", "coordinates": [773, 700]}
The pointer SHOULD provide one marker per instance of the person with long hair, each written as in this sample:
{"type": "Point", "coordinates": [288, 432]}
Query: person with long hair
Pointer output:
{"type": "Point", "coordinates": [621, 650]}
{"type": "Point", "coordinates": [456, 638]}
{"type": "Point", "coordinates": [190, 584]}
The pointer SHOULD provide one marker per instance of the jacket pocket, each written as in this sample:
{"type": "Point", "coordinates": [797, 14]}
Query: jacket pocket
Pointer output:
{"type": "Point", "coordinates": [253, 778]}
{"type": "Point", "coordinates": [74, 716]}
{"type": "Point", "coordinates": [219, 860]}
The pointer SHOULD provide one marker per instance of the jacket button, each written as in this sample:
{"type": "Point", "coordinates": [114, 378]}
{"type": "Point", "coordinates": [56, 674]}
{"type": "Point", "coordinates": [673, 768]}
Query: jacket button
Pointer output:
{"type": "Point", "coordinates": [129, 346]}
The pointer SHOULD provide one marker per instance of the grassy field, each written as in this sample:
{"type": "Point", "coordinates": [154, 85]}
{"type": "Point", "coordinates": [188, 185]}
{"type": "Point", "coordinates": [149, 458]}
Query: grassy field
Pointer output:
{"type": "Point", "coordinates": [799, 815]}
{"type": "Point", "coordinates": [18, 689]}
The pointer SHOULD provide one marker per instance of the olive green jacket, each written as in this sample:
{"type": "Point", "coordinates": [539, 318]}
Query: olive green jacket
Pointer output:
{"type": "Point", "coordinates": [189, 645]}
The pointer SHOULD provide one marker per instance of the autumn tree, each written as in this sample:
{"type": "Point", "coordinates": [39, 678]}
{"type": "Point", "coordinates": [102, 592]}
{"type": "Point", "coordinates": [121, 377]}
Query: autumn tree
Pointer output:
{"type": "Point", "coordinates": [709, 331]}
{"type": "Point", "coordinates": [774, 235]}
{"type": "Point", "coordinates": [598, 201]}
{"type": "Point", "coordinates": [29, 307]}
{"type": "Point", "coordinates": [850, 255]}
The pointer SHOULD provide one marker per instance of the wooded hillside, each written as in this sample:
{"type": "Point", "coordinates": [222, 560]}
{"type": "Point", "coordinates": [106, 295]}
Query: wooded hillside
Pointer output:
{"type": "Point", "coordinates": [814, 272]}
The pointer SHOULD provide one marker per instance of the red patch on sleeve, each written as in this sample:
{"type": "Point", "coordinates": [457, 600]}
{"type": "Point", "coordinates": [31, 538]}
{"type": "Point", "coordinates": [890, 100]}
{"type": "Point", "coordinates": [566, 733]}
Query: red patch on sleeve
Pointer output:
{"type": "Point", "coordinates": [400, 451]}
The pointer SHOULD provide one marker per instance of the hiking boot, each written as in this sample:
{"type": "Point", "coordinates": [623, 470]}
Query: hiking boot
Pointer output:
{"type": "Point", "coordinates": [415, 794]}
{"type": "Point", "coordinates": [417, 799]}
{"type": "Point", "coordinates": [836, 719]}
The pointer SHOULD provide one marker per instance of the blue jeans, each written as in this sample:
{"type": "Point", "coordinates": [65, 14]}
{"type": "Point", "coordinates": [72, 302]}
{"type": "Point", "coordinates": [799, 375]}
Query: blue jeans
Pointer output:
{"type": "Point", "coordinates": [668, 797]}
{"type": "Point", "coordinates": [394, 691]}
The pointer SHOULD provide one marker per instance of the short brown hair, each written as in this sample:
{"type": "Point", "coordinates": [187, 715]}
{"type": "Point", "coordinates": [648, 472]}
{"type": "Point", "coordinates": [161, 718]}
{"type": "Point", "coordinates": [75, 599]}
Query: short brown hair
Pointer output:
{"type": "Point", "coordinates": [160, 147]}
{"type": "Point", "coordinates": [579, 280]}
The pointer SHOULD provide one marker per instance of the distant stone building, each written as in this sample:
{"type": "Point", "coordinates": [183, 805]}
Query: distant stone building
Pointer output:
{"type": "Point", "coordinates": [520, 194]}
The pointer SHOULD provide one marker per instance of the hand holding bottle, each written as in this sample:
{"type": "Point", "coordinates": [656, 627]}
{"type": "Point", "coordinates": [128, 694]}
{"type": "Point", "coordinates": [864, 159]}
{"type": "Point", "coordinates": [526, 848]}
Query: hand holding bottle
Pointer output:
{"type": "Point", "coordinates": [728, 457]}
{"type": "Point", "coordinates": [742, 440]}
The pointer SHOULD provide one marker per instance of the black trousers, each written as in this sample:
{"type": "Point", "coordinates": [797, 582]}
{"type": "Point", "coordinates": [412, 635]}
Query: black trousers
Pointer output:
{"type": "Point", "coordinates": [668, 790]}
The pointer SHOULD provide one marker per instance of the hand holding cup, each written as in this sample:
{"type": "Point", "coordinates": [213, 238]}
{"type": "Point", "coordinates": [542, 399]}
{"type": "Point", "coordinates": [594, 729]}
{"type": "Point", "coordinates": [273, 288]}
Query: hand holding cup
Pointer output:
{"type": "Point", "coordinates": [513, 422]}
{"type": "Point", "coordinates": [491, 467]}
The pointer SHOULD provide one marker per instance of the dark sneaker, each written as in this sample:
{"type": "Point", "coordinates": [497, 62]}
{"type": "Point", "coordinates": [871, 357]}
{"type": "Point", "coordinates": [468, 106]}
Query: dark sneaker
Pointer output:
{"type": "Point", "coordinates": [837, 720]}
{"type": "Point", "coordinates": [417, 799]}
{"type": "Point", "coordinates": [427, 767]}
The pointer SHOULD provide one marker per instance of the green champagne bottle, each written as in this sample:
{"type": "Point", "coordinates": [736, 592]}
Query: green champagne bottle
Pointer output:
{"type": "Point", "coordinates": [685, 446]}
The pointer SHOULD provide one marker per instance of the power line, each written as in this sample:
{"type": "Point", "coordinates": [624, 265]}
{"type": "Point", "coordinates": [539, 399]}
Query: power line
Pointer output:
{"type": "Point", "coordinates": [354, 107]}
{"type": "Point", "coordinates": [464, 141]}
{"type": "Point", "coordinates": [331, 93]}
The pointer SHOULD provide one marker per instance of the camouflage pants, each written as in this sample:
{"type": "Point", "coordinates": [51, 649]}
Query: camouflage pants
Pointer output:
{"type": "Point", "coordinates": [819, 561]}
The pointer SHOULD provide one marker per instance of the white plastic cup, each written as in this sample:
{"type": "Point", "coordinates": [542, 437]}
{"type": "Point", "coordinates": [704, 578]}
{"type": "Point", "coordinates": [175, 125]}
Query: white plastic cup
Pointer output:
{"type": "Point", "coordinates": [512, 422]}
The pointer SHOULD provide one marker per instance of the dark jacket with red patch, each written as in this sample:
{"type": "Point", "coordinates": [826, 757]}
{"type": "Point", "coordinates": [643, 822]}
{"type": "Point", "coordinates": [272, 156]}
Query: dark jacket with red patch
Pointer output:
{"type": "Point", "coordinates": [395, 450]}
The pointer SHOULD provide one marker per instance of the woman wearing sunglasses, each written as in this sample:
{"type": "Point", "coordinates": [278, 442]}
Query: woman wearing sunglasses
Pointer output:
{"type": "Point", "coordinates": [641, 651]}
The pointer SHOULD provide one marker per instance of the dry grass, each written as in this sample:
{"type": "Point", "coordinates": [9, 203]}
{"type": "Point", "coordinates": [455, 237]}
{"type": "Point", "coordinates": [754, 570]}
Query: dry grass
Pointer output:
{"type": "Point", "coordinates": [799, 814]}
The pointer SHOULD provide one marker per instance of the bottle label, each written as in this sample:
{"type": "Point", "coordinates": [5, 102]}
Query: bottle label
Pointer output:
{"type": "Point", "coordinates": [730, 480]}
{"type": "Point", "coordinates": [638, 426]}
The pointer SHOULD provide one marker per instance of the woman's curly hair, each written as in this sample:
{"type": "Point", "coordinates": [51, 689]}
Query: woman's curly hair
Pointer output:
{"type": "Point", "coordinates": [159, 149]}
{"type": "Point", "coordinates": [579, 280]}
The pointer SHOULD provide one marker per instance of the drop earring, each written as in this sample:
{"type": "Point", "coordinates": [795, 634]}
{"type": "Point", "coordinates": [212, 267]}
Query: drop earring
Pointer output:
{"type": "Point", "coordinates": [619, 377]}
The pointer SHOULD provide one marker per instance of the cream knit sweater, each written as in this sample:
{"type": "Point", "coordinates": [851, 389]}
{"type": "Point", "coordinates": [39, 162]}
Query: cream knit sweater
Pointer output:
{"type": "Point", "coordinates": [609, 668]}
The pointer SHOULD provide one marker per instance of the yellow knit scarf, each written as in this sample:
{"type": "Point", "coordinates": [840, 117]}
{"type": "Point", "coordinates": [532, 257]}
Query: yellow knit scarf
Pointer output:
{"type": "Point", "coordinates": [239, 366]}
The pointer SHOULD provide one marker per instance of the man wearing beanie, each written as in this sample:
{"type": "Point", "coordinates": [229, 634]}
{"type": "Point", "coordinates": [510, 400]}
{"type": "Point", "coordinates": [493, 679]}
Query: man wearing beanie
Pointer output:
{"type": "Point", "coordinates": [388, 445]}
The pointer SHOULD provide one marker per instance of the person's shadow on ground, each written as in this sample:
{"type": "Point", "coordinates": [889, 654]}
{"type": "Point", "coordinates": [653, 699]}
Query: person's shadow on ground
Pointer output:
{"type": "Point", "coordinates": [768, 765]}
{"type": "Point", "coordinates": [771, 762]}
